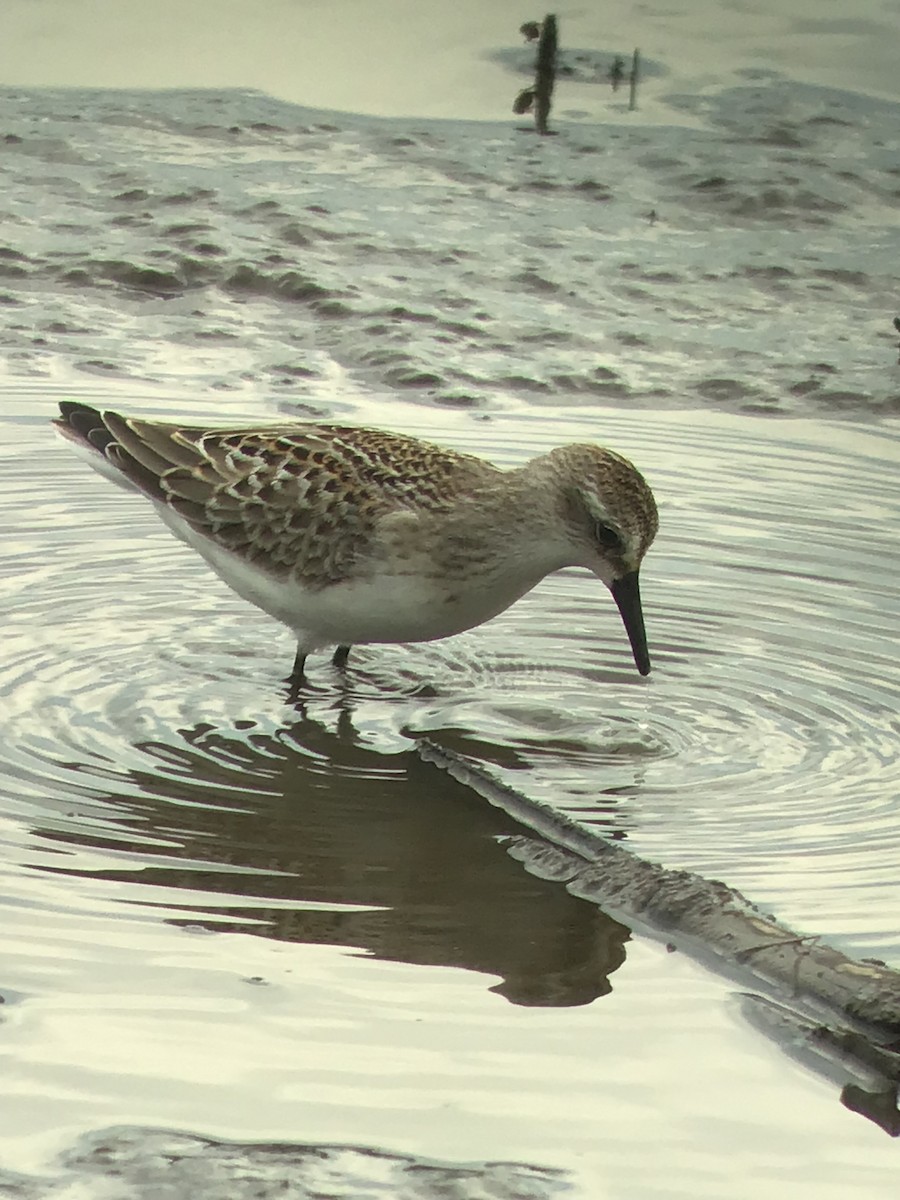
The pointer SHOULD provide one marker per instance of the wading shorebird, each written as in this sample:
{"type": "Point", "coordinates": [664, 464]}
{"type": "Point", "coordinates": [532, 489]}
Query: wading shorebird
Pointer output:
{"type": "Point", "coordinates": [355, 536]}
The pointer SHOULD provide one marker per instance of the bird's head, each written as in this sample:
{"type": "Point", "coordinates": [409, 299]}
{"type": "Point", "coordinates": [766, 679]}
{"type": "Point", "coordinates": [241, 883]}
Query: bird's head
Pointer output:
{"type": "Point", "coordinates": [611, 517]}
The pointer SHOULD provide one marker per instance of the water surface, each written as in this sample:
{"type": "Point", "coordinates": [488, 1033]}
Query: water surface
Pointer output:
{"type": "Point", "coordinates": [239, 920]}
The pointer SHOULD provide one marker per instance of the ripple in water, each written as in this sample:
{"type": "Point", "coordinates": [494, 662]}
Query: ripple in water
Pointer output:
{"type": "Point", "coordinates": [762, 748]}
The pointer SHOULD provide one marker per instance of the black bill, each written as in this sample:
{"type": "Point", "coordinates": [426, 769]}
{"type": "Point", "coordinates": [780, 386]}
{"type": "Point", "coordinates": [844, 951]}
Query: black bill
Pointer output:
{"type": "Point", "coordinates": [627, 595]}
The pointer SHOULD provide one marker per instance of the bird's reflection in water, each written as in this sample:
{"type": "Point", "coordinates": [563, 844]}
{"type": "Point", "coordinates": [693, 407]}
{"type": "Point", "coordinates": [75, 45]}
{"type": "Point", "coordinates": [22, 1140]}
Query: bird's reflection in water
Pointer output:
{"type": "Point", "coordinates": [307, 814]}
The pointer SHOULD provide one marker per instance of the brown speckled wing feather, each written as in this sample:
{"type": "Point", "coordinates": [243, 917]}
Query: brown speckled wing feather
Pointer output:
{"type": "Point", "coordinates": [302, 498]}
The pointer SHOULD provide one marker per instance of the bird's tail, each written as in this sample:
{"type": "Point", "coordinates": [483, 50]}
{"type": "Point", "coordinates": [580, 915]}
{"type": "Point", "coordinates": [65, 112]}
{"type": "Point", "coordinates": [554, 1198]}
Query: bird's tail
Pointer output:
{"type": "Point", "coordinates": [86, 431]}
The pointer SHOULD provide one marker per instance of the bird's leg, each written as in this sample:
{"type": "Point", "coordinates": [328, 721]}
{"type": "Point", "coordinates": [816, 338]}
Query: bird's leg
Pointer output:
{"type": "Point", "coordinates": [339, 659]}
{"type": "Point", "coordinates": [297, 681]}
{"type": "Point", "coordinates": [298, 674]}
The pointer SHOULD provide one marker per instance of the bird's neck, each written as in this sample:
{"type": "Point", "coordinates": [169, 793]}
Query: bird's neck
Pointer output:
{"type": "Point", "coordinates": [527, 503]}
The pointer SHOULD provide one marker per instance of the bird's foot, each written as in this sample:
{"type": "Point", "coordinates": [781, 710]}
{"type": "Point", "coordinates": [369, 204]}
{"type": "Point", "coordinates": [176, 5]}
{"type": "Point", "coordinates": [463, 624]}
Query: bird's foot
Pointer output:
{"type": "Point", "coordinates": [298, 686]}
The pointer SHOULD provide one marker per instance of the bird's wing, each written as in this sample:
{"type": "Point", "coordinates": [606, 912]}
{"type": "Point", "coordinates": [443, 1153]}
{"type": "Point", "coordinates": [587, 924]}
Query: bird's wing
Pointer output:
{"type": "Point", "coordinates": [301, 497]}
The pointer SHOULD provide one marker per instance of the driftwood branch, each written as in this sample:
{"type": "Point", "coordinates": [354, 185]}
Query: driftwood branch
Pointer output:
{"type": "Point", "coordinates": [716, 924]}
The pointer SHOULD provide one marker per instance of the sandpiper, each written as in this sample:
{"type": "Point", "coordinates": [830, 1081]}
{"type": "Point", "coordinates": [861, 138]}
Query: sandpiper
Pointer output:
{"type": "Point", "coordinates": [351, 536]}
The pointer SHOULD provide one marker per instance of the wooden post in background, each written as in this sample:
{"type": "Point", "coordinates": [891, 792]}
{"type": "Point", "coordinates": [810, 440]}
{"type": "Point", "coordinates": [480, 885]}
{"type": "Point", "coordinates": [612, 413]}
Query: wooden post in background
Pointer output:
{"type": "Point", "coordinates": [545, 73]}
{"type": "Point", "coordinates": [633, 80]}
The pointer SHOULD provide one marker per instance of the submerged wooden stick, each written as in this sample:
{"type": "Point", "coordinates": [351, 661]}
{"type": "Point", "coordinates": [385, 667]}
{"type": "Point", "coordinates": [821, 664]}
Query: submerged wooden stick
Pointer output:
{"type": "Point", "coordinates": [710, 920]}
{"type": "Point", "coordinates": [867, 1073]}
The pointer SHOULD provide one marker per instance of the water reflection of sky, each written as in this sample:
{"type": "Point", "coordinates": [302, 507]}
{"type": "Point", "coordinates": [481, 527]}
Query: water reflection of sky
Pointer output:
{"type": "Point", "coordinates": [407, 58]}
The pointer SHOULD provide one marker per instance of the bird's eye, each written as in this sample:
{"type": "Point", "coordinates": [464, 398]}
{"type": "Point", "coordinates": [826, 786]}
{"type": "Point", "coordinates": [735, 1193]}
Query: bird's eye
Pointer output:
{"type": "Point", "coordinates": [607, 537]}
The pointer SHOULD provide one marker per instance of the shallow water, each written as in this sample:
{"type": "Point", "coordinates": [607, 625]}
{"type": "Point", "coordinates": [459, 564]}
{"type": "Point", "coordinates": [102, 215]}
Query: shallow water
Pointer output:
{"type": "Point", "coordinates": [228, 917]}
{"type": "Point", "coordinates": [152, 771]}
{"type": "Point", "coordinates": [772, 619]}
